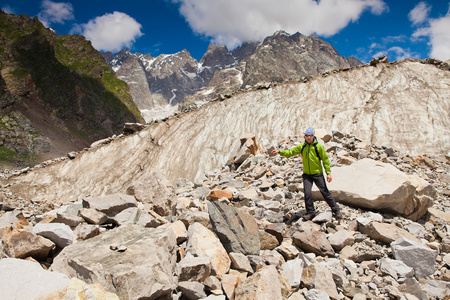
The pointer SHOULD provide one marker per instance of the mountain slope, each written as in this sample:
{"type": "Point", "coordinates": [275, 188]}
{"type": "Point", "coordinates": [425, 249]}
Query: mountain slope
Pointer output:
{"type": "Point", "coordinates": [57, 92]}
{"type": "Point", "coordinates": [404, 104]}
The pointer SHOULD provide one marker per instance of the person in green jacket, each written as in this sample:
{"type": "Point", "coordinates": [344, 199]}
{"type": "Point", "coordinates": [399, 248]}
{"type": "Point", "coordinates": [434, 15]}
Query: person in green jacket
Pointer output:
{"type": "Point", "coordinates": [313, 154]}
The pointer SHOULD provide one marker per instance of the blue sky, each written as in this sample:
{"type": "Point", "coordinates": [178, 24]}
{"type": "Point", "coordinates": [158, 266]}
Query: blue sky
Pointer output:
{"type": "Point", "coordinates": [360, 28]}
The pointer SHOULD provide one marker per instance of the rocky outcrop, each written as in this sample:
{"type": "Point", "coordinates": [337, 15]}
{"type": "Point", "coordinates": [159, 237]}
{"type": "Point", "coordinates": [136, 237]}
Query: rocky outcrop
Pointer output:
{"type": "Point", "coordinates": [57, 94]}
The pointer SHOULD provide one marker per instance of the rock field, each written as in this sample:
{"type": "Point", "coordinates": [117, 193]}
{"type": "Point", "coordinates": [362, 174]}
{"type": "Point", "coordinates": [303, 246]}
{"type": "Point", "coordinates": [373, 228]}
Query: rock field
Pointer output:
{"type": "Point", "coordinates": [238, 233]}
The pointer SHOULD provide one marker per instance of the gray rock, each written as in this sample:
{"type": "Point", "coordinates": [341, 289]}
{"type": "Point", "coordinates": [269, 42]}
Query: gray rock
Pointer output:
{"type": "Point", "coordinates": [436, 289]}
{"type": "Point", "coordinates": [21, 279]}
{"type": "Point", "coordinates": [192, 268]}
{"type": "Point", "coordinates": [192, 290]}
{"type": "Point", "coordinates": [11, 217]}
{"type": "Point", "coordinates": [236, 229]}
{"type": "Point", "coordinates": [134, 215]}
{"type": "Point", "coordinates": [111, 204]}
{"type": "Point", "coordinates": [417, 256]}
{"type": "Point", "coordinates": [315, 294]}
{"type": "Point", "coordinates": [60, 234]}
{"type": "Point", "coordinates": [395, 268]}
{"type": "Point", "coordinates": [294, 270]}
{"type": "Point", "coordinates": [125, 273]}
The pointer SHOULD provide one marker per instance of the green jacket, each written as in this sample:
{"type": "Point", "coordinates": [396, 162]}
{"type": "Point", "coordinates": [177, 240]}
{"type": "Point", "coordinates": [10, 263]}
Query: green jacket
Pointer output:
{"type": "Point", "coordinates": [311, 163]}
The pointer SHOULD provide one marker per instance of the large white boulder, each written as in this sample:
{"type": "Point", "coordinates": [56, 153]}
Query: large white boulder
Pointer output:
{"type": "Point", "coordinates": [22, 279]}
{"type": "Point", "coordinates": [380, 186]}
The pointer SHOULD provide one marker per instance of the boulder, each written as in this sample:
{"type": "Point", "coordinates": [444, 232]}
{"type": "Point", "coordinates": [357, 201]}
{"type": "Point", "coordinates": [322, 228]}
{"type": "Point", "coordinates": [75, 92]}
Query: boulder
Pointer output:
{"type": "Point", "coordinates": [156, 192]}
{"type": "Point", "coordinates": [111, 204]}
{"type": "Point", "coordinates": [236, 229]}
{"type": "Point", "coordinates": [93, 216]}
{"type": "Point", "coordinates": [340, 239]}
{"type": "Point", "coordinates": [419, 257]}
{"type": "Point", "coordinates": [22, 279]}
{"type": "Point", "coordinates": [385, 232]}
{"type": "Point", "coordinates": [192, 290]}
{"type": "Point", "coordinates": [294, 270]}
{"type": "Point", "coordinates": [18, 243]}
{"type": "Point", "coordinates": [264, 284]}
{"type": "Point", "coordinates": [202, 242]}
{"type": "Point", "coordinates": [59, 233]}
{"type": "Point", "coordinates": [380, 186]}
{"type": "Point", "coordinates": [134, 215]}
{"type": "Point", "coordinates": [70, 220]}
{"type": "Point", "coordinates": [143, 270]}
{"type": "Point", "coordinates": [192, 268]}
{"type": "Point", "coordinates": [86, 231]}
{"type": "Point", "coordinates": [395, 268]}
{"type": "Point", "coordinates": [317, 276]}
{"type": "Point", "coordinates": [240, 262]}
{"type": "Point", "coordinates": [311, 239]}
{"type": "Point", "coordinates": [11, 217]}
{"type": "Point", "coordinates": [243, 148]}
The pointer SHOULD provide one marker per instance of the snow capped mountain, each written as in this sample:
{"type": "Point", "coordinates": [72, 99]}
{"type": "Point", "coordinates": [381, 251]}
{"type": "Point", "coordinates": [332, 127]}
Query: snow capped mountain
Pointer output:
{"type": "Point", "coordinates": [173, 79]}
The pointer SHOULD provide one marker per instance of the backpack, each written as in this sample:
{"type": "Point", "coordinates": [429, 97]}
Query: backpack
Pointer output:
{"type": "Point", "coordinates": [315, 147]}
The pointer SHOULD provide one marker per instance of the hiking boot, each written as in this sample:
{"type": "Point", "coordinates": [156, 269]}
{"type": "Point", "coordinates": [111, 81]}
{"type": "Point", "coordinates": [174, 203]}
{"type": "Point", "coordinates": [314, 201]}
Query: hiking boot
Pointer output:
{"type": "Point", "coordinates": [294, 217]}
{"type": "Point", "coordinates": [338, 215]}
{"type": "Point", "coordinates": [309, 216]}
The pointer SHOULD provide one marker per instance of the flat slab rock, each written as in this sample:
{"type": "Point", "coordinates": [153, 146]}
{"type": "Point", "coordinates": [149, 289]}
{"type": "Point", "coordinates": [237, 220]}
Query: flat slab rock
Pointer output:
{"type": "Point", "coordinates": [143, 270]}
{"type": "Point", "coordinates": [375, 185]}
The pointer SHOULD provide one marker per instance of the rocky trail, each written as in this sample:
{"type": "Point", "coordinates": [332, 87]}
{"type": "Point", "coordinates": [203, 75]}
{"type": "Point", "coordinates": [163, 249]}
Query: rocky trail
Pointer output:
{"type": "Point", "coordinates": [237, 232]}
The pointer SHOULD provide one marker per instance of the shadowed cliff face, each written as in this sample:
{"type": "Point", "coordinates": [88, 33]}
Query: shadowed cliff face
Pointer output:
{"type": "Point", "coordinates": [56, 92]}
{"type": "Point", "coordinates": [403, 104]}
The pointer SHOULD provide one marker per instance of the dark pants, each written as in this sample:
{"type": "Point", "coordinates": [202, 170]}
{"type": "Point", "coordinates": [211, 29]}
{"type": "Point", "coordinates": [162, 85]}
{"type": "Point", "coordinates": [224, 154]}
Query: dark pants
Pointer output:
{"type": "Point", "coordinates": [319, 180]}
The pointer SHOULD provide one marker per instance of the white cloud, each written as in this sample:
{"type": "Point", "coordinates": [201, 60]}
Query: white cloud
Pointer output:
{"type": "Point", "coordinates": [440, 38]}
{"type": "Point", "coordinates": [231, 22]}
{"type": "Point", "coordinates": [111, 32]}
{"type": "Point", "coordinates": [419, 14]}
{"type": "Point", "coordinates": [439, 35]}
{"type": "Point", "coordinates": [55, 12]}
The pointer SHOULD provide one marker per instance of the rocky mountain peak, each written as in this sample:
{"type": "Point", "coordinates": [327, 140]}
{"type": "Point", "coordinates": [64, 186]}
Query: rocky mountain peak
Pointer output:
{"type": "Point", "coordinates": [217, 57]}
{"type": "Point", "coordinates": [175, 78]}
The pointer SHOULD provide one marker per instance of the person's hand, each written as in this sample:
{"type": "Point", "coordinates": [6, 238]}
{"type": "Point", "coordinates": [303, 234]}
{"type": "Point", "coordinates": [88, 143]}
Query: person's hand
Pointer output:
{"type": "Point", "coordinates": [274, 151]}
{"type": "Point", "coordinates": [329, 178]}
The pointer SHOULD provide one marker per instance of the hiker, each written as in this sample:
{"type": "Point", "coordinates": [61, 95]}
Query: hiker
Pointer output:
{"type": "Point", "coordinates": [313, 153]}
